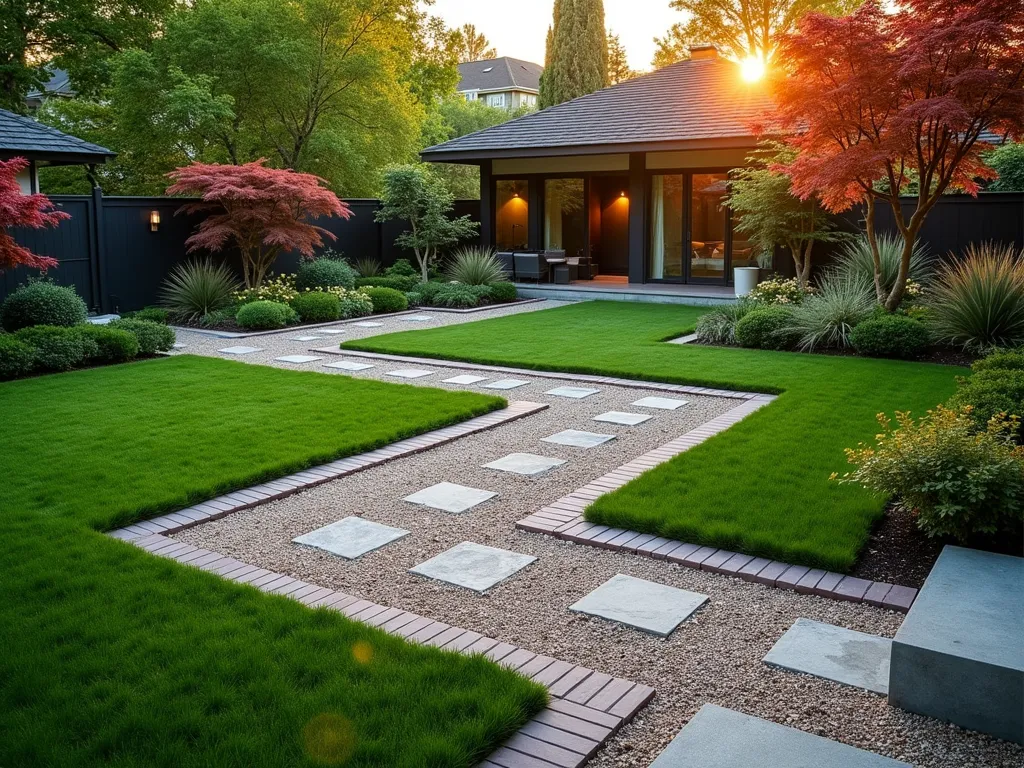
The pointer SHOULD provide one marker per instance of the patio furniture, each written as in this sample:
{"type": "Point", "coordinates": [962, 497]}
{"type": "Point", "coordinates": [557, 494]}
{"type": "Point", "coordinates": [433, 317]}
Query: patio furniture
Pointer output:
{"type": "Point", "coordinates": [586, 269]}
{"type": "Point", "coordinates": [507, 261]}
{"type": "Point", "coordinates": [566, 273]}
{"type": "Point", "coordinates": [530, 266]}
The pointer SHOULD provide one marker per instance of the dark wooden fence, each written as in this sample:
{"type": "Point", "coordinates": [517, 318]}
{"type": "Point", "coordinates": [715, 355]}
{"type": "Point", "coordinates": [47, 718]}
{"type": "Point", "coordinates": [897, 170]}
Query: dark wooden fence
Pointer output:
{"type": "Point", "coordinates": [108, 252]}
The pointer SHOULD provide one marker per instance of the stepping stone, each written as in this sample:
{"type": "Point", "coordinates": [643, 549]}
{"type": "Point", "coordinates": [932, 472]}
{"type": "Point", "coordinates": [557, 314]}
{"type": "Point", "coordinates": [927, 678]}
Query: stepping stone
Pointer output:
{"type": "Point", "coordinates": [348, 365]}
{"type": "Point", "coordinates": [332, 331]}
{"type": "Point", "coordinates": [239, 350]}
{"type": "Point", "coordinates": [576, 393]}
{"type": "Point", "coordinates": [473, 566]}
{"type": "Point", "coordinates": [622, 417]}
{"type": "Point", "coordinates": [664, 403]}
{"type": "Point", "coordinates": [368, 324]}
{"type": "Point", "coordinates": [505, 384]}
{"type": "Point", "coordinates": [298, 358]}
{"type": "Point", "coordinates": [578, 439]}
{"type": "Point", "coordinates": [834, 653]}
{"type": "Point", "coordinates": [416, 318]}
{"type": "Point", "coordinates": [351, 537]}
{"type": "Point", "coordinates": [647, 605]}
{"type": "Point", "coordinates": [182, 346]}
{"type": "Point", "coordinates": [717, 737]}
{"type": "Point", "coordinates": [525, 464]}
{"type": "Point", "coordinates": [464, 379]}
{"type": "Point", "coordinates": [306, 338]}
{"type": "Point", "coordinates": [450, 497]}
{"type": "Point", "coordinates": [410, 373]}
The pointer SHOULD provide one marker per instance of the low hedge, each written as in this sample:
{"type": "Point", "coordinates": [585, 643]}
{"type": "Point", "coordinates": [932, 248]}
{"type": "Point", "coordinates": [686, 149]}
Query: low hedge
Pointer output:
{"type": "Point", "coordinates": [502, 293]}
{"type": "Point", "coordinates": [458, 295]}
{"type": "Point", "coordinates": [109, 345]}
{"type": "Point", "coordinates": [401, 283]}
{"type": "Point", "coordinates": [152, 337]}
{"type": "Point", "coordinates": [42, 303]}
{"type": "Point", "coordinates": [264, 315]}
{"type": "Point", "coordinates": [16, 357]}
{"type": "Point", "coordinates": [317, 307]}
{"type": "Point", "coordinates": [154, 314]}
{"type": "Point", "coordinates": [387, 300]}
{"type": "Point", "coordinates": [991, 391]}
{"type": "Point", "coordinates": [890, 335]}
{"type": "Point", "coordinates": [55, 347]}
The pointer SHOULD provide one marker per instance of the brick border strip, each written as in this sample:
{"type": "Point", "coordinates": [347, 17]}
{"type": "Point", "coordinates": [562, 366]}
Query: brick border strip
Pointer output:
{"type": "Point", "coordinates": [564, 520]}
{"type": "Point", "coordinates": [299, 481]}
{"type": "Point", "coordinates": [440, 362]}
{"type": "Point", "coordinates": [586, 707]}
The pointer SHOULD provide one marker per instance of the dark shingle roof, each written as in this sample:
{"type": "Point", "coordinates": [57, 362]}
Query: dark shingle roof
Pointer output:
{"type": "Point", "coordinates": [491, 74]}
{"type": "Point", "coordinates": [24, 136]}
{"type": "Point", "coordinates": [59, 84]}
{"type": "Point", "coordinates": [698, 100]}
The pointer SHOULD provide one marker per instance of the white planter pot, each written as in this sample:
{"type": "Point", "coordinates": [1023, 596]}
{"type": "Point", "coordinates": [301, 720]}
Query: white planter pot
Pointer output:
{"type": "Point", "coordinates": [744, 279]}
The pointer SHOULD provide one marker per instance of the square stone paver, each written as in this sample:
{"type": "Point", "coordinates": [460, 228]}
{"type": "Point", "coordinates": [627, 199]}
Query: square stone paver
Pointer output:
{"type": "Point", "coordinates": [332, 331]}
{"type": "Point", "coordinates": [647, 605]}
{"type": "Point", "coordinates": [298, 358]}
{"type": "Point", "coordinates": [306, 338]}
{"type": "Point", "coordinates": [623, 417]}
{"type": "Point", "coordinates": [179, 345]}
{"type": "Point", "coordinates": [348, 365]}
{"type": "Point", "coordinates": [664, 403]}
{"type": "Point", "coordinates": [450, 497]}
{"type": "Point", "coordinates": [834, 653]}
{"type": "Point", "coordinates": [576, 393]}
{"type": "Point", "coordinates": [578, 439]}
{"type": "Point", "coordinates": [525, 463]}
{"type": "Point", "coordinates": [239, 350]}
{"type": "Point", "coordinates": [351, 537]}
{"type": "Point", "coordinates": [416, 318]}
{"type": "Point", "coordinates": [368, 324]}
{"type": "Point", "coordinates": [473, 566]}
{"type": "Point", "coordinates": [410, 373]}
{"type": "Point", "coordinates": [464, 379]}
{"type": "Point", "coordinates": [505, 384]}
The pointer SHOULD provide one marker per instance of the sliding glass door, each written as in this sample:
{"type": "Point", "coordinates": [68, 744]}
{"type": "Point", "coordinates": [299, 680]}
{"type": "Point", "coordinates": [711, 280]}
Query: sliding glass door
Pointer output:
{"type": "Point", "coordinates": [665, 248]}
{"type": "Point", "coordinates": [689, 236]}
{"type": "Point", "coordinates": [565, 216]}
{"type": "Point", "coordinates": [709, 222]}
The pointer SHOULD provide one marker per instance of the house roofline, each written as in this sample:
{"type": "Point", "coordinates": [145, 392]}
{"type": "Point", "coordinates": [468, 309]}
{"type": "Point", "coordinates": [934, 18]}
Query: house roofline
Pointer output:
{"type": "Point", "coordinates": [506, 89]}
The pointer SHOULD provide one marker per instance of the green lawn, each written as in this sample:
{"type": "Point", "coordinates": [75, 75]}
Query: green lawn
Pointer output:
{"type": "Point", "coordinates": [115, 657]}
{"type": "Point", "coordinates": [762, 486]}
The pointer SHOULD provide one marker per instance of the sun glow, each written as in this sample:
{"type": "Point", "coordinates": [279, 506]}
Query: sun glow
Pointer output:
{"type": "Point", "coordinates": [752, 68]}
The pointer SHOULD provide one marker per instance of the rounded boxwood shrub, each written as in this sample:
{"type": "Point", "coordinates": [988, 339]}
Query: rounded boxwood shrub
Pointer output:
{"type": "Point", "coordinates": [154, 314]}
{"type": "Point", "coordinates": [55, 347]}
{"type": "Point", "coordinates": [1001, 361]}
{"type": "Point", "coordinates": [263, 315]}
{"type": "Point", "coordinates": [503, 292]}
{"type": "Point", "coordinates": [990, 392]}
{"type": "Point", "coordinates": [42, 303]}
{"type": "Point", "coordinates": [766, 328]}
{"type": "Point", "coordinates": [152, 337]}
{"type": "Point", "coordinates": [402, 268]}
{"type": "Point", "coordinates": [317, 307]}
{"type": "Point", "coordinates": [889, 336]}
{"type": "Point", "coordinates": [456, 295]}
{"type": "Point", "coordinates": [414, 299]}
{"type": "Point", "coordinates": [108, 345]}
{"type": "Point", "coordinates": [387, 300]}
{"type": "Point", "coordinates": [324, 273]}
{"type": "Point", "coordinates": [428, 291]}
{"type": "Point", "coordinates": [16, 357]}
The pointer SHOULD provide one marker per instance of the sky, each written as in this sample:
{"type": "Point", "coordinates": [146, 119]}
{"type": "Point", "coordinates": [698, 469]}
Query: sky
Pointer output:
{"type": "Point", "coordinates": [518, 28]}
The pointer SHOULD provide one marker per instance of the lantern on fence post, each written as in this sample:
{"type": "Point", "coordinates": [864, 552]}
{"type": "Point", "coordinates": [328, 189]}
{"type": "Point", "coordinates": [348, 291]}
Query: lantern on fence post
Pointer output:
{"type": "Point", "coordinates": [154, 221]}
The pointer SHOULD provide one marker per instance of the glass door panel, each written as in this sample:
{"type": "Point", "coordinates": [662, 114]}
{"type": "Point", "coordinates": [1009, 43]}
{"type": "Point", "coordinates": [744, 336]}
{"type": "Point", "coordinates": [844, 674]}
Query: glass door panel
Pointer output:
{"type": "Point", "coordinates": [565, 216]}
{"type": "Point", "coordinates": [709, 222]}
{"type": "Point", "coordinates": [511, 214]}
{"type": "Point", "coordinates": [665, 254]}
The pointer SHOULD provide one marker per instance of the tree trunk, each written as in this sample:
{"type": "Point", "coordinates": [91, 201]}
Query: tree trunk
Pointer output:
{"type": "Point", "coordinates": [892, 301]}
{"type": "Point", "coordinates": [869, 230]}
{"type": "Point", "coordinates": [423, 259]}
{"type": "Point", "coordinates": [804, 277]}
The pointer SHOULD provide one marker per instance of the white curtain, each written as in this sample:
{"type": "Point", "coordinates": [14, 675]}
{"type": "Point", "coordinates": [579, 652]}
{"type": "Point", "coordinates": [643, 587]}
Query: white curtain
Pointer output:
{"type": "Point", "coordinates": [552, 216]}
{"type": "Point", "coordinates": [657, 227]}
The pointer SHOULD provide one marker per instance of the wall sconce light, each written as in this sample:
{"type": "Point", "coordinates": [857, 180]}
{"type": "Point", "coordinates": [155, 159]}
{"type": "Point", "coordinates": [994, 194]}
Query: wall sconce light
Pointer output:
{"type": "Point", "coordinates": [622, 194]}
{"type": "Point", "coordinates": [515, 194]}
{"type": "Point", "coordinates": [154, 221]}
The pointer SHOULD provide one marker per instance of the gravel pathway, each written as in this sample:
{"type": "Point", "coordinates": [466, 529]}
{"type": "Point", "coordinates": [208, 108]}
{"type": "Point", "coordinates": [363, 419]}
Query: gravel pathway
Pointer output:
{"type": "Point", "coordinates": [714, 657]}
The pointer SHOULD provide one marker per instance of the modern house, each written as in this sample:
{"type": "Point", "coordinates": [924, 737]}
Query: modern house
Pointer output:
{"type": "Point", "coordinates": [632, 176]}
{"type": "Point", "coordinates": [501, 82]}
{"type": "Point", "coordinates": [40, 144]}
{"type": "Point", "coordinates": [57, 87]}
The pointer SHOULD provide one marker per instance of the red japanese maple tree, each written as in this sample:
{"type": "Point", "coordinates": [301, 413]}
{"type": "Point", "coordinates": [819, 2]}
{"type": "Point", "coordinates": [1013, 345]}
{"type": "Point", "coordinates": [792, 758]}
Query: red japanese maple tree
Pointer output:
{"type": "Point", "coordinates": [20, 210]}
{"type": "Point", "coordinates": [264, 211]}
{"type": "Point", "coordinates": [877, 102]}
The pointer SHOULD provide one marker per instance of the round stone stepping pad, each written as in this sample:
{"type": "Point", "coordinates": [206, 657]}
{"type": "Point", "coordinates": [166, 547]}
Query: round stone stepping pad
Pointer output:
{"type": "Point", "coordinates": [578, 439]}
{"type": "Point", "coordinates": [641, 604]}
{"type": "Point", "coordinates": [410, 373]}
{"type": "Point", "coordinates": [834, 653]}
{"type": "Point", "coordinates": [624, 417]}
{"type": "Point", "coordinates": [505, 384]}
{"type": "Point", "coordinates": [351, 537]}
{"type": "Point", "coordinates": [525, 463]}
{"type": "Point", "coordinates": [473, 566]}
{"type": "Point", "coordinates": [239, 350]}
{"type": "Point", "coordinates": [348, 365]}
{"type": "Point", "coordinates": [663, 403]}
{"type": "Point", "coordinates": [576, 393]}
{"type": "Point", "coordinates": [717, 737]}
{"type": "Point", "coordinates": [465, 378]}
{"type": "Point", "coordinates": [297, 359]}
{"type": "Point", "coordinates": [450, 497]}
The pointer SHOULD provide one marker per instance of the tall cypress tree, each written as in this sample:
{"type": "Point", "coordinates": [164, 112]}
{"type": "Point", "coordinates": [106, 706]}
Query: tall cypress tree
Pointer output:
{"type": "Point", "coordinates": [576, 59]}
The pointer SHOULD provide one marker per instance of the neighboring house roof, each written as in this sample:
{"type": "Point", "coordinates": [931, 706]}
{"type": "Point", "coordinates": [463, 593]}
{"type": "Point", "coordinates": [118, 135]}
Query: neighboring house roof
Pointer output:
{"type": "Point", "coordinates": [24, 137]}
{"type": "Point", "coordinates": [501, 74]}
{"type": "Point", "coordinates": [59, 84]}
{"type": "Point", "coordinates": [697, 103]}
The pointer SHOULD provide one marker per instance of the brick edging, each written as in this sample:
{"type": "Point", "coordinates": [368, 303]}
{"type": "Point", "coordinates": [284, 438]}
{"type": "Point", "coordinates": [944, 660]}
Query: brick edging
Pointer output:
{"type": "Point", "coordinates": [236, 501]}
{"type": "Point", "coordinates": [660, 386]}
{"type": "Point", "coordinates": [585, 710]}
{"type": "Point", "coordinates": [564, 520]}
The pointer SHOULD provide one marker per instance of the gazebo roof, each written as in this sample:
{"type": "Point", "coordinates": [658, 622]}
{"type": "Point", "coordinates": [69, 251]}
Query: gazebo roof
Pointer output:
{"type": "Point", "coordinates": [24, 137]}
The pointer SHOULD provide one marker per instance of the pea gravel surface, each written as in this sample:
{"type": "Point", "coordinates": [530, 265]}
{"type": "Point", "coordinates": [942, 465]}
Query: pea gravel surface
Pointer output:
{"type": "Point", "coordinates": [714, 657]}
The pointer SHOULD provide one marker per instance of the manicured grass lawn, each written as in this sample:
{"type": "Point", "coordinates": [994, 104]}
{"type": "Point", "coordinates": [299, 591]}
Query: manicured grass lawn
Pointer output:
{"type": "Point", "coordinates": [762, 486]}
{"type": "Point", "coordinates": [112, 656]}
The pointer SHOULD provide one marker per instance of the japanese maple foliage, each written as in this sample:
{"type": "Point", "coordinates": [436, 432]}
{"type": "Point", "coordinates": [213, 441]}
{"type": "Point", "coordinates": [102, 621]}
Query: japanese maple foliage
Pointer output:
{"type": "Point", "coordinates": [20, 210]}
{"type": "Point", "coordinates": [877, 102]}
{"type": "Point", "coordinates": [264, 211]}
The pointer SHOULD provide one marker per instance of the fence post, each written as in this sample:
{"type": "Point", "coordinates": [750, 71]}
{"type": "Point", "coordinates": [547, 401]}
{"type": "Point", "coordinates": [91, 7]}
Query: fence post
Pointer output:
{"type": "Point", "coordinates": [98, 257]}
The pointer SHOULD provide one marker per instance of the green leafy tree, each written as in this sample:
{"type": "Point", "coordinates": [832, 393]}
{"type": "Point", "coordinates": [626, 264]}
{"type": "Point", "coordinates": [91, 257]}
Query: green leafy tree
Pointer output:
{"type": "Point", "coordinates": [618, 62]}
{"type": "Point", "coordinates": [770, 215]}
{"type": "Point", "coordinates": [473, 45]}
{"type": "Point", "coordinates": [435, 68]}
{"type": "Point", "coordinates": [414, 194]}
{"type": "Point", "coordinates": [576, 59]}
{"type": "Point", "coordinates": [1008, 162]}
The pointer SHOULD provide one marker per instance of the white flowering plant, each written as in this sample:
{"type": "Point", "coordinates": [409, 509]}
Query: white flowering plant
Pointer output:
{"type": "Point", "coordinates": [280, 289]}
{"type": "Point", "coordinates": [778, 291]}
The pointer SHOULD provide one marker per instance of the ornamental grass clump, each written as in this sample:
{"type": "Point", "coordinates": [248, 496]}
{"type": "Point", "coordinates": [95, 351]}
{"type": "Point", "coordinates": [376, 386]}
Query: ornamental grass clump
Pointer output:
{"type": "Point", "coordinates": [826, 319]}
{"type": "Point", "coordinates": [197, 288]}
{"type": "Point", "coordinates": [956, 480]}
{"type": "Point", "coordinates": [475, 266]}
{"type": "Point", "coordinates": [855, 263]}
{"type": "Point", "coordinates": [978, 302]}
{"type": "Point", "coordinates": [719, 325]}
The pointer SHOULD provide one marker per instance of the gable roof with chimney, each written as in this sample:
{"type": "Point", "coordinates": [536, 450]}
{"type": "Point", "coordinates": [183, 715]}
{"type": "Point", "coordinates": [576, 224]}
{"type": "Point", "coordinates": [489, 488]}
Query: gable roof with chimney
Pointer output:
{"type": "Point", "coordinates": [501, 74]}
